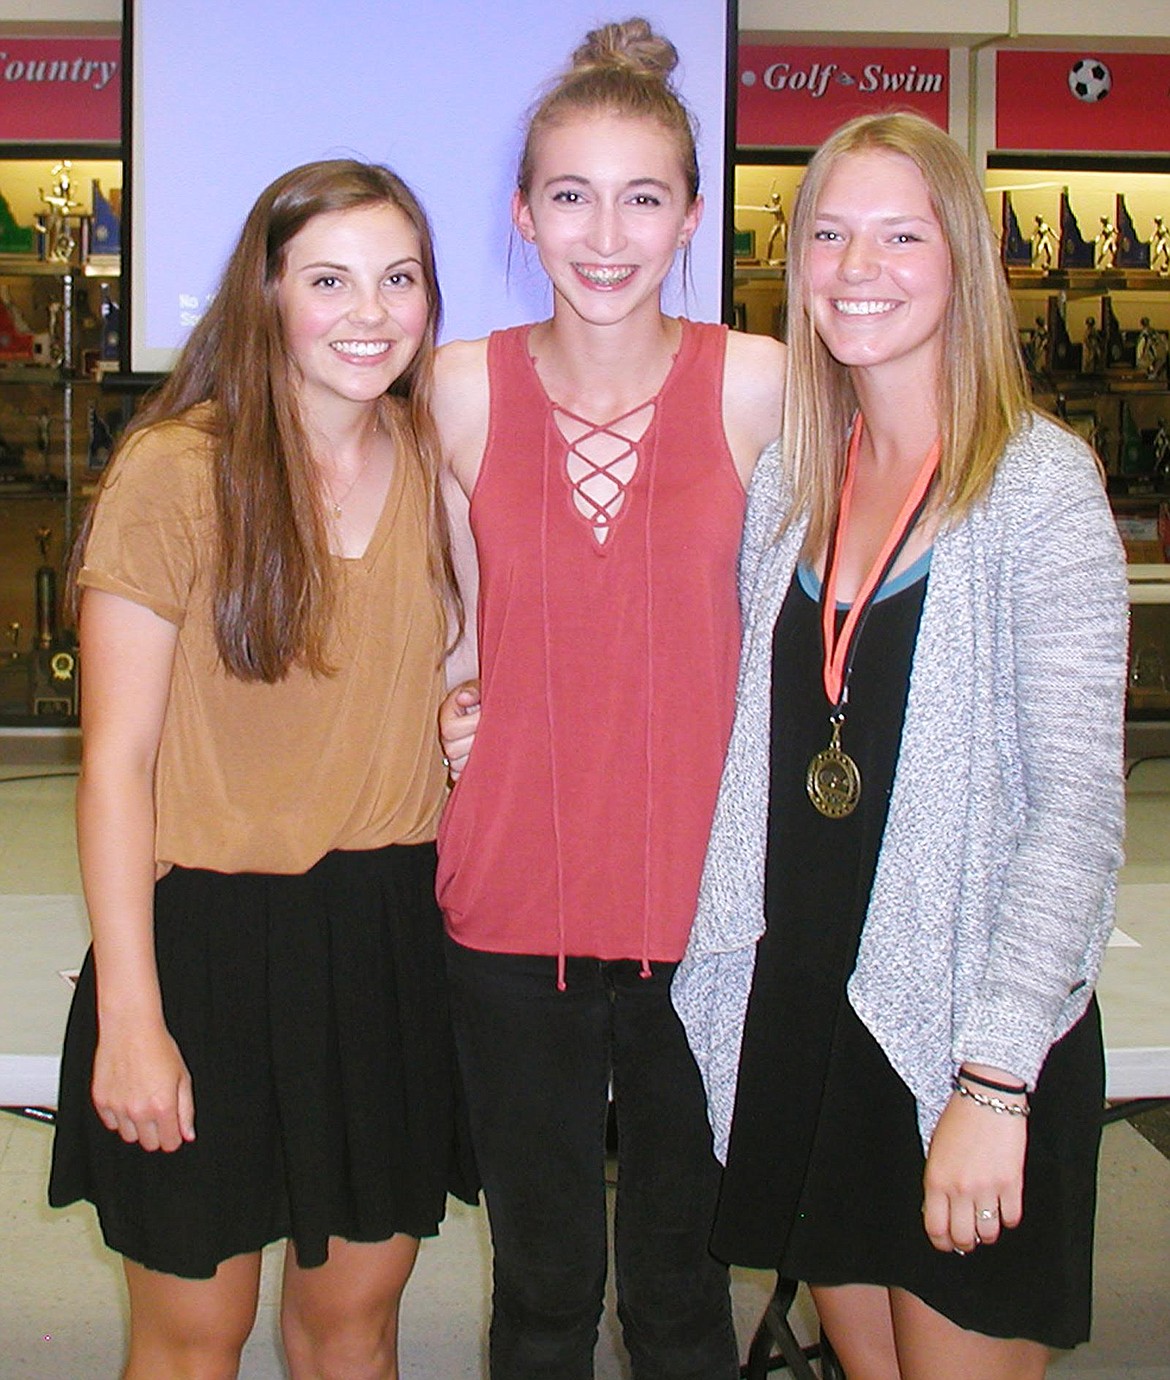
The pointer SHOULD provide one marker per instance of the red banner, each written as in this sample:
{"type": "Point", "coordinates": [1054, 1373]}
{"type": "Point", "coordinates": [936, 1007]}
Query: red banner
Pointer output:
{"type": "Point", "coordinates": [1103, 102]}
{"type": "Point", "coordinates": [796, 97]}
{"type": "Point", "coordinates": [61, 90]}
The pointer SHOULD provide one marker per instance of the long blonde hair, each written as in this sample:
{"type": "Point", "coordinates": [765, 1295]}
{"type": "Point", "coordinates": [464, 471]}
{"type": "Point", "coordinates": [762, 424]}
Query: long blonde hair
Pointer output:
{"type": "Point", "coordinates": [982, 387]}
{"type": "Point", "coordinates": [274, 589]}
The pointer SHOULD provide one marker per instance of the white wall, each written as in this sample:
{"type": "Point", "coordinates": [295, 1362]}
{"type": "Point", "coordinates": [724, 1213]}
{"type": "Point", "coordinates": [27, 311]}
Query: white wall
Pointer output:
{"type": "Point", "coordinates": [831, 18]}
{"type": "Point", "coordinates": [1101, 19]}
{"type": "Point", "coordinates": [959, 25]}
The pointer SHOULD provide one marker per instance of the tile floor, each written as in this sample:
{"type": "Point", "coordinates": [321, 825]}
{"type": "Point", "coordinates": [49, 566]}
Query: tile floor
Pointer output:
{"type": "Point", "coordinates": [61, 1311]}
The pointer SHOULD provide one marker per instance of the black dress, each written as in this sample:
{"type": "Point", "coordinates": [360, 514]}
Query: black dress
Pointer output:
{"type": "Point", "coordinates": [824, 1170]}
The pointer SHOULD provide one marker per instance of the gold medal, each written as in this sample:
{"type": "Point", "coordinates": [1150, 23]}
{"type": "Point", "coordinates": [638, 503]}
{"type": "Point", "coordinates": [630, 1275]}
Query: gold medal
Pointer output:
{"type": "Point", "coordinates": [833, 780]}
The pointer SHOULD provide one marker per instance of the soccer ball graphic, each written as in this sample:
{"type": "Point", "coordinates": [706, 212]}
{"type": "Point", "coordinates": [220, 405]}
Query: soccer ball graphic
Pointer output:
{"type": "Point", "coordinates": [1089, 79]}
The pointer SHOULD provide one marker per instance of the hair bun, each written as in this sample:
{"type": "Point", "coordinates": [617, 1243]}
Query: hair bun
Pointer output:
{"type": "Point", "coordinates": [631, 44]}
{"type": "Point", "coordinates": [621, 69]}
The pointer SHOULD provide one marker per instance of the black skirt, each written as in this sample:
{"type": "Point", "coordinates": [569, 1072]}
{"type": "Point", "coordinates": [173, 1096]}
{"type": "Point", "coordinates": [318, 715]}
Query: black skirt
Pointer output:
{"type": "Point", "coordinates": [825, 1164]}
{"type": "Point", "coordinates": [312, 1014]}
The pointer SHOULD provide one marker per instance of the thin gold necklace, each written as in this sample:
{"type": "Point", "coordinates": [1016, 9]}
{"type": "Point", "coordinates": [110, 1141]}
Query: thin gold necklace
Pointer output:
{"type": "Point", "coordinates": [335, 504]}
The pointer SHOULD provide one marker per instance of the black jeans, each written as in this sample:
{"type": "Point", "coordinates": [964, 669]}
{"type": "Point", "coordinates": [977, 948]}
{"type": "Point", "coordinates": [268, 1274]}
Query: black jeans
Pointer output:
{"type": "Point", "coordinates": [537, 1064]}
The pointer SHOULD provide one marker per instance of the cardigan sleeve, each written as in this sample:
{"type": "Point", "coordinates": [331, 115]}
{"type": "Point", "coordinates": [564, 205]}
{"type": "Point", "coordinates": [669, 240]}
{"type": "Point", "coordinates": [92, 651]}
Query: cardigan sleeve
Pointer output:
{"type": "Point", "coordinates": [712, 984]}
{"type": "Point", "coordinates": [760, 519]}
{"type": "Point", "coordinates": [1065, 587]}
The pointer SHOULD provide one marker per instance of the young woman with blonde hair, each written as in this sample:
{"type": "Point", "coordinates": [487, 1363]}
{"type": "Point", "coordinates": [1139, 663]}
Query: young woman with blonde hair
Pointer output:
{"type": "Point", "coordinates": [889, 985]}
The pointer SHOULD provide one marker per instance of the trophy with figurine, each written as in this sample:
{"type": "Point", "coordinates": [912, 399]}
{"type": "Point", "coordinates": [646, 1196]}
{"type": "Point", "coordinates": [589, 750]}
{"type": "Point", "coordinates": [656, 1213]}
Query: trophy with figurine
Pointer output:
{"type": "Point", "coordinates": [1092, 348]}
{"type": "Point", "coordinates": [54, 668]}
{"type": "Point", "coordinates": [1105, 245]}
{"type": "Point", "coordinates": [1044, 246]}
{"type": "Point", "coordinates": [59, 223]}
{"type": "Point", "coordinates": [1160, 248]}
{"type": "Point", "coordinates": [1151, 351]}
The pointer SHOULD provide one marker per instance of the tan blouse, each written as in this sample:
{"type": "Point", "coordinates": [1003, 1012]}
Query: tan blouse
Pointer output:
{"type": "Point", "coordinates": [269, 778]}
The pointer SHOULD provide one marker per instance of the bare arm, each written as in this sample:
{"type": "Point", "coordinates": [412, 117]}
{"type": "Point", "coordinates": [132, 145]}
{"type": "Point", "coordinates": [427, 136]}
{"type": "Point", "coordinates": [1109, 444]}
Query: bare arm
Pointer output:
{"type": "Point", "coordinates": [462, 409]}
{"type": "Point", "coordinates": [463, 659]}
{"type": "Point", "coordinates": [461, 403]}
{"type": "Point", "coordinates": [753, 396]}
{"type": "Point", "coordinates": [141, 1087]}
{"type": "Point", "coordinates": [459, 712]}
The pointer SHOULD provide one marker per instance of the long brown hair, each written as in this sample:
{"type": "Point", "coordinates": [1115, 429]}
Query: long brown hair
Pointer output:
{"type": "Point", "coordinates": [982, 388]}
{"type": "Point", "coordinates": [274, 590]}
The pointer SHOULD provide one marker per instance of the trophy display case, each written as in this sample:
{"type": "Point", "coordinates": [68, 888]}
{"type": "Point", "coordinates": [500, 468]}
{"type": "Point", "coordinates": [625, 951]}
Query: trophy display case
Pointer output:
{"type": "Point", "coordinates": [1087, 254]}
{"type": "Point", "coordinates": [59, 327]}
{"type": "Point", "coordinates": [1093, 306]}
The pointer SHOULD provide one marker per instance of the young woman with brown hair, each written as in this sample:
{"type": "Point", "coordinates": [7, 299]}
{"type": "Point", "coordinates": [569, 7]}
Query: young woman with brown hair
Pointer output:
{"type": "Point", "coordinates": [259, 1044]}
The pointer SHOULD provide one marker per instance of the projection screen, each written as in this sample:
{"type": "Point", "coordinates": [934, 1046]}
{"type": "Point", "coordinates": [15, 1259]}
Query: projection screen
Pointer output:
{"type": "Point", "coordinates": [226, 94]}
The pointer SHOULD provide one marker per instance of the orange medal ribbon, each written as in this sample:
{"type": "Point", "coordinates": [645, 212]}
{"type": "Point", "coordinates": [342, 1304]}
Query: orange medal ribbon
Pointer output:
{"type": "Point", "coordinates": [833, 779]}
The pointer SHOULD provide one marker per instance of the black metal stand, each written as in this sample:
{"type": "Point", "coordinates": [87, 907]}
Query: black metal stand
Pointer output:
{"type": "Point", "coordinates": [1133, 1106]}
{"type": "Point", "coordinates": [775, 1332]}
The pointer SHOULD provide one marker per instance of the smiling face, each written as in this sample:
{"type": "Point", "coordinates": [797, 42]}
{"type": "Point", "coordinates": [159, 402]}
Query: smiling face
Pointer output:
{"type": "Point", "coordinates": [879, 268]}
{"type": "Point", "coordinates": [353, 305]}
{"type": "Point", "coordinates": [607, 208]}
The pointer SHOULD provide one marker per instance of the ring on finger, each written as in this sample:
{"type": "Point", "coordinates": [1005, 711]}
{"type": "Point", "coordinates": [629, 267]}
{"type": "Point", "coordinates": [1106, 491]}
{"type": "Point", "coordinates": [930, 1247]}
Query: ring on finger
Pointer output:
{"type": "Point", "coordinates": [987, 1214]}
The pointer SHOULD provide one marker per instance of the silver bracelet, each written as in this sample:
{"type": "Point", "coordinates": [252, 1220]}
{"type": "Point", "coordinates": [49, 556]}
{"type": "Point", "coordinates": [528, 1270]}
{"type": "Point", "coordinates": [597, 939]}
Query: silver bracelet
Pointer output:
{"type": "Point", "coordinates": [997, 1104]}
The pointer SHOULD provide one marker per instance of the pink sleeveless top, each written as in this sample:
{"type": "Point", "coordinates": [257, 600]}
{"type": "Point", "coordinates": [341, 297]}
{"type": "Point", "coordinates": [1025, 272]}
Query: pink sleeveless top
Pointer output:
{"type": "Point", "coordinates": [608, 639]}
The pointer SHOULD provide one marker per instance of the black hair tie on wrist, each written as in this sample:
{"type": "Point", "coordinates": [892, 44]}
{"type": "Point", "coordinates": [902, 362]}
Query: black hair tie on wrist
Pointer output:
{"type": "Point", "coordinates": [990, 1083]}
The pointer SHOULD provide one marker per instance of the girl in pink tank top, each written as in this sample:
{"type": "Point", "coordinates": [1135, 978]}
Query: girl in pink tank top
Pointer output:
{"type": "Point", "coordinates": [604, 455]}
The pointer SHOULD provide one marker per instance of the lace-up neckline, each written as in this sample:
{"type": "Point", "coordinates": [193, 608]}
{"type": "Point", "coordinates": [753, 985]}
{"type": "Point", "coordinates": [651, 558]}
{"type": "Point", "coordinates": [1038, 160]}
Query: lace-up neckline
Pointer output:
{"type": "Point", "coordinates": [601, 462]}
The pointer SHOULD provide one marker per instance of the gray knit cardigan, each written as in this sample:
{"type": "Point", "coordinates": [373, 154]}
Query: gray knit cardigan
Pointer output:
{"type": "Point", "coordinates": [995, 884]}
